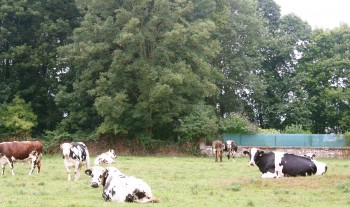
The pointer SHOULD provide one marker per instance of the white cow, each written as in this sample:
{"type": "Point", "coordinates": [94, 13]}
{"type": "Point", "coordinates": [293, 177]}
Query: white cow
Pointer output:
{"type": "Point", "coordinates": [106, 158]}
{"type": "Point", "coordinates": [119, 187]}
{"type": "Point", "coordinates": [75, 155]}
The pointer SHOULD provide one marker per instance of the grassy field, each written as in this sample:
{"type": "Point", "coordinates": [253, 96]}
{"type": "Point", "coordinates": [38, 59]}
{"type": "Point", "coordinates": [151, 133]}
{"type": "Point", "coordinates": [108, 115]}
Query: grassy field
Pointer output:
{"type": "Point", "coordinates": [181, 182]}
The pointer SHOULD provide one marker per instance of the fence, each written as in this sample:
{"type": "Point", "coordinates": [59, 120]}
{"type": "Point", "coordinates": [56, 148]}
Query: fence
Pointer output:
{"type": "Point", "coordinates": [288, 140]}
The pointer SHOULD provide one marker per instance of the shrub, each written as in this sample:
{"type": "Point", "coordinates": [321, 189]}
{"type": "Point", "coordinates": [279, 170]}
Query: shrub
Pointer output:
{"type": "Point", "coordinates": [17, 117]}
{"type": "Point", "coordinates": [237, 124]}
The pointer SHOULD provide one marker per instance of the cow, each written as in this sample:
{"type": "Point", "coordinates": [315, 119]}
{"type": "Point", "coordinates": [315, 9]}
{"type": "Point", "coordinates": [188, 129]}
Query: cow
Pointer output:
{"type": "Point", "coordinates": [75, 156]}
{"type": "Point", "coordinates": [21, 151]}
{"type": "Point", "coordinates": [106, 158]}
{"type": "Point", "coordinates": [231, 149]}
{"type": "Point", "coordinates": [280, 164]}
{"type": "Point", "coordinates": [120, 187]}
{"type": "Point", "coordinates": [218, 149]}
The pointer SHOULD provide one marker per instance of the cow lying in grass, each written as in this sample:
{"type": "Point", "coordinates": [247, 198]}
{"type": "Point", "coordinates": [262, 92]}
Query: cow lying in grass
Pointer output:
{"type": "Point", "coordinates": [106, 158]}
{"type": "Point", "coordinates": [281, 164]}
{"type": "Point", "coordinates": [119, 187]}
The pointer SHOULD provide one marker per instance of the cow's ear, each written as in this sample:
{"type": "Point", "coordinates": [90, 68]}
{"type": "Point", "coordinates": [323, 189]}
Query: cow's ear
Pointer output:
{"type": "Point", "coordinates": [104, 177]}
{"type": "Point", "coordinates": [246, 152]}
{"type": "Point", "coordinates": [261, 153]}
{"type": "Point", "coordinates": [88, 172]}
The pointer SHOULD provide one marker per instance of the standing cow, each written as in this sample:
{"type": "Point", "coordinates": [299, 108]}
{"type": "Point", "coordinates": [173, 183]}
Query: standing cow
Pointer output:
{"type": "Point", "coordinates": [218, 149]}
{"type": "Point", "coordinates": [119, 187]}
{"type": "Point", "coordinates": [75, 155]}
{"type": "Point", "coordinates": [106, 158]}
{"type": "Point", "coordinates": [280, 164]}
{"type": "Point", "coordinates": [231, 149]}
{"type": "Point", "coordinates": [21, 151]}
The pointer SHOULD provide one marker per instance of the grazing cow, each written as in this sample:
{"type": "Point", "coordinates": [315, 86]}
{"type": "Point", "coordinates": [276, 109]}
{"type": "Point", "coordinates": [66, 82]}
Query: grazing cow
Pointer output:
{"type": "Point", "coordinates": [218, 149]}
{"type": "Point", "coordinates": [231, 149]}
{"type": "Point", "coordinates": [105, 158]}
{"type": "Point", "coordinates": [75, 155]}
{"type": "Point", "coordinates": [280, 164]}
{"type": "Point", "coordinates": [119, 187]}
{"type": "Point", "coordinates": [21, 151]}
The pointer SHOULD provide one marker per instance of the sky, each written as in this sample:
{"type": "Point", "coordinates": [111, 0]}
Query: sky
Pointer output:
{"type": "Point", "coordinates": [326, 14]}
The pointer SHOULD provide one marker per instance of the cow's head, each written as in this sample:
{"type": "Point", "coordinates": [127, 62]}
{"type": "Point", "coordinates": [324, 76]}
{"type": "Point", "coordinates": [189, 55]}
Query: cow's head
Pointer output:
{"type": "Point", "coordinates": [99, 175]}
{"type": "Point", "coordinates": [254, 154]}
{"type": "Point", "coordinates": [111, 153]}
{"type": "Point", "coordinates": [66, 147]}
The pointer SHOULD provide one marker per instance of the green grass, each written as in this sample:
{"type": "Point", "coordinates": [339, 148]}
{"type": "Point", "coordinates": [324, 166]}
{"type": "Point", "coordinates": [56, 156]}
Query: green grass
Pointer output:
{"type": "Point", "coordinates": [181, 182]}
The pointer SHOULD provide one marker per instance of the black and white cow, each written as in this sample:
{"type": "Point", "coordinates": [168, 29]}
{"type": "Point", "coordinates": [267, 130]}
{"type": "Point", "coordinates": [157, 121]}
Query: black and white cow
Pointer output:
{"type": "Point", "coordinates": [75, 155]}
{"type": "Point", "coordinates": [119, 187]}
{"type": "Point", "coordinates": [231, 149]}
{"type": "Point", "coordinates": [280, 164]}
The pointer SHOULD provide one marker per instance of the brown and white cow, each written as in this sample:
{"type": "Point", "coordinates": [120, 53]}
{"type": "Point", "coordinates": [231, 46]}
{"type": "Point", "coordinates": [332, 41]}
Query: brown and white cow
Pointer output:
{"type": "Point", "coordinates": [218, 149]}
{"type": "Point", "coordinates": [21, 151]}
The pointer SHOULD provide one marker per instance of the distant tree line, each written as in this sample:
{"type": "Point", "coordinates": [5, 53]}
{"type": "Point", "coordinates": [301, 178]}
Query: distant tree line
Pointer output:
{"type": "Point", "coordinates": [177, 70]}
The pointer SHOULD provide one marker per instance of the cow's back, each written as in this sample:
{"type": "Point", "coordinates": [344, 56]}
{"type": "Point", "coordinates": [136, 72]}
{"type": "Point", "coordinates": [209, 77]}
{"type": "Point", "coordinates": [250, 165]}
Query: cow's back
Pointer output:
{"type": "Point", "coordinates": [294, 165]}
{"type": "Point", "coordinates": [20, 150]}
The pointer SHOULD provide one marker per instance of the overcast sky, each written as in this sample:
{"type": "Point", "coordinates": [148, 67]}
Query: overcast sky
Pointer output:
{"type": "Point", "coordinates": [325, 14]}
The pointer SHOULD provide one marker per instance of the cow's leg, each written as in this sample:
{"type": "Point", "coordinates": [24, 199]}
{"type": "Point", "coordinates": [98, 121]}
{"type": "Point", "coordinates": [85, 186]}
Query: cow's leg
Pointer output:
{"type": "Point", "coordinates": [38, 162]}
{"type": "Point", "coordinates": [11, 166]}
{"type": "Point", "coordinates": [33, 167]}
{"type": "Point", "coordinates": [3, 169]}
{"type": "Point", "coordinates": [269, 175]}
{"type": "Point", "coordinates": [76, 171]}
{"type": "Point", "coordinates": [68, 173]}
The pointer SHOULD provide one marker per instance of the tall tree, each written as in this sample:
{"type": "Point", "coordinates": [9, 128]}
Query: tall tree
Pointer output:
{"type": "Point", "coordinates": [283, 102]}
{"type": "Point", "coordinates": [240, 31]}
{"type": "Point", "coordinates": [141, 67]}
{"type": "Point", "coordinates": [324, 70]}
{"type": "Point", "coordinates": [30, 33]}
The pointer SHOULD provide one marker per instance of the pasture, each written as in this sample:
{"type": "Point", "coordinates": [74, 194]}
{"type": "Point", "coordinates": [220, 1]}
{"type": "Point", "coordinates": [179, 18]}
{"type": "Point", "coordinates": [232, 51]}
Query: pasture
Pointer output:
{"type": "Point", "coordinates": [180, 182]}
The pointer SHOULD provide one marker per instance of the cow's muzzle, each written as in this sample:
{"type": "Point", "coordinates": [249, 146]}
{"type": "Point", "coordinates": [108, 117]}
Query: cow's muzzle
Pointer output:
{"type": "Point", "coordinates": [94, 185]}
{"type": "Point", "coordinates": [252, 163]}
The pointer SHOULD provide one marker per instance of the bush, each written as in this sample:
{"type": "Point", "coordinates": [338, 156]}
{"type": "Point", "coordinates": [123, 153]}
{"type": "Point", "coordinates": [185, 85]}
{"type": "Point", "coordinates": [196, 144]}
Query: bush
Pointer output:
{"type": "Point", "coordinates": [237, 124]}
{"type": "Point", "coordinates": [347, 137]}
{"type": "Point", "coordinates": [17, 117]}
{"type": "Point", "coordinates": [295, 129]}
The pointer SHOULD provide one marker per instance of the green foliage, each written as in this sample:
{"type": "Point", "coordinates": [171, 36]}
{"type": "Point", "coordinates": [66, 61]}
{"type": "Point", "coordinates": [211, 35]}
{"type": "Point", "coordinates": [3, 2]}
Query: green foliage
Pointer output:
{"type": "Point", "coordinates": [295, 129]}
{"type": "Point", "coordinates": [347, 137]}
{"type": "Point", "coordinates": [202, 123]}
{"type": "Point", "coordinates": [31, 31]}
{"type": "Point", "coordinates": [17, 117]}
{"type": "Point", "coordinates": [324, 71]}
{"type": "Point", "coordinates": [237, 124]}
{"type": "Point", "coordinates": [268, 131]}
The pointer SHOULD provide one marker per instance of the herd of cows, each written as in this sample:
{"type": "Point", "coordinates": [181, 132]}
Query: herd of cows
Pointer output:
{"type": "Point", "coordinates": [273, 164]}
{"type": "Point", "coordinates": [123, 188]}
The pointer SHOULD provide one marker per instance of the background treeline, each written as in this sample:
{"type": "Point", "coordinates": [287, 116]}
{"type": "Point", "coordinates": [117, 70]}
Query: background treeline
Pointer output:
{"type": "Point", "coordinates": [174, 70]}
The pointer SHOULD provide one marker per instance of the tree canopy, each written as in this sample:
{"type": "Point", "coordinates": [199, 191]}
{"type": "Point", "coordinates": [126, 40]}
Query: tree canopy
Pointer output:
{"type": "Point", "coordinates": [169, 70]}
